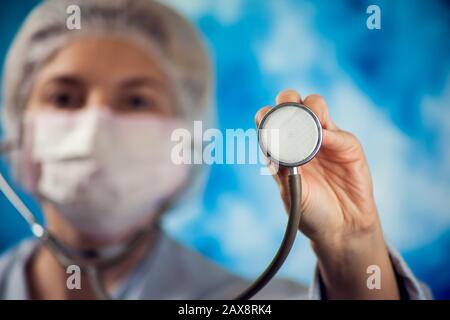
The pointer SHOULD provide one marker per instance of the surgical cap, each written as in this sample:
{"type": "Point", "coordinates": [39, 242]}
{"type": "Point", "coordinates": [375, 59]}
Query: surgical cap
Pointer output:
{"type": "Point", "coordinates": [148, 22]}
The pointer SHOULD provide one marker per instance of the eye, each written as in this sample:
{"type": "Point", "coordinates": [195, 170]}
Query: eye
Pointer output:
{"type": "Point", "coordinates": [65, 100]}
{"type": "Point", "coordinates": [138, 102]}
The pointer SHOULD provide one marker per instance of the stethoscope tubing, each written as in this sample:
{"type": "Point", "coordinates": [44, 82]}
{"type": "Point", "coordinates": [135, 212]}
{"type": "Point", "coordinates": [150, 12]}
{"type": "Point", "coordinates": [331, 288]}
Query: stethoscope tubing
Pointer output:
{"type": "Point", "coordinates": [295, 191]}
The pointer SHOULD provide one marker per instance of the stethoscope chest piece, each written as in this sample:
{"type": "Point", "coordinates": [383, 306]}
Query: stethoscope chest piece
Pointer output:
{"type": "Point", "coordinates": [290, 134]}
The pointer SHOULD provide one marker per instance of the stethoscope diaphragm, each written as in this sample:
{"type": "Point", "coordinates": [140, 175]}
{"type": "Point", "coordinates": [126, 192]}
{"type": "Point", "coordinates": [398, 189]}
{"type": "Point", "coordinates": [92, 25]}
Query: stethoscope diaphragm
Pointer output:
{"type": "Point", "coordinates": [290, 134]}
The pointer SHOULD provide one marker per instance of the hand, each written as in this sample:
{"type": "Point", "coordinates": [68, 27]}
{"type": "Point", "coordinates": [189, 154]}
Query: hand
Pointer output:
{"type": "Point", "coordinates": [339, 214]}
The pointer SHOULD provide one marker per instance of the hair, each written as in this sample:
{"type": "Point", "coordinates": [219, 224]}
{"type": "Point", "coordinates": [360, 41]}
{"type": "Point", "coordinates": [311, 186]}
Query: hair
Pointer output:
{"type": "Point", "coordinates": [147, 22]}
{"type": "Point", "coordinates": [151, 24]}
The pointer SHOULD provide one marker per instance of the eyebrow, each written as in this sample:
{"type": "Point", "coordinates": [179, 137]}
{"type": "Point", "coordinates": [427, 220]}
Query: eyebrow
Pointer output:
{"type": "Point", "coordinates": [142, 81]}
{"type": "Point", "coordinates": [132, 82]}
{"type": "Point", "coordinates": [66, 80]}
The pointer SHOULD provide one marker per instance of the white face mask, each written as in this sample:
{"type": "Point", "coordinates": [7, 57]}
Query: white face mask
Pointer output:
{"type": "Point", "coordinates": [105, 174]}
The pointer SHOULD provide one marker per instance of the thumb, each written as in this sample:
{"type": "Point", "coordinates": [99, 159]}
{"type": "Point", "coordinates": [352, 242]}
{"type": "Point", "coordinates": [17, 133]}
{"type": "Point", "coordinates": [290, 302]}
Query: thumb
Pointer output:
{"type": "Point", "coordinates": [260, 114]}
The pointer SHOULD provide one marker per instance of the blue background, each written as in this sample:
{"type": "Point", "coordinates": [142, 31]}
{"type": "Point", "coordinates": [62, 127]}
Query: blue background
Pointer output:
{"type": "Point", "coordinates": [391, 87]}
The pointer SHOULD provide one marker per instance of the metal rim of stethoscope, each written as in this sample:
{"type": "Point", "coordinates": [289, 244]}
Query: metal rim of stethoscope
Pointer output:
{"type": "Point", "coordinates": [316, 121]}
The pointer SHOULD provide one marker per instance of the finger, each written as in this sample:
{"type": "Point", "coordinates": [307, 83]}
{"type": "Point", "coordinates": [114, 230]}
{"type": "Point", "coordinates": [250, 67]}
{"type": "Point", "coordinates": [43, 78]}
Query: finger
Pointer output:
{"type": "Point", "coordinates": [288, 95]}
{"type": "Point", "coordinates": [319, 106]}
{"type": "Point", "coordinates": [260, 114]}
{"type": "Point", "coordinates": [339, 140]}
{"type": "Point", "coordinates": [273, 167]}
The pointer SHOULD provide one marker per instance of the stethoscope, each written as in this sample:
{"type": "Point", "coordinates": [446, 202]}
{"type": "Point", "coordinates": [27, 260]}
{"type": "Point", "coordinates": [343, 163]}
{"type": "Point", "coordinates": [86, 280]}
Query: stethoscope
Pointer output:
{"type": "Point", "coordinates": [289, 135]}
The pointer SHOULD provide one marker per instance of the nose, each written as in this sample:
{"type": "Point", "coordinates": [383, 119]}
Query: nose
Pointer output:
{"type": "Point", "coordinates": [98, 98]}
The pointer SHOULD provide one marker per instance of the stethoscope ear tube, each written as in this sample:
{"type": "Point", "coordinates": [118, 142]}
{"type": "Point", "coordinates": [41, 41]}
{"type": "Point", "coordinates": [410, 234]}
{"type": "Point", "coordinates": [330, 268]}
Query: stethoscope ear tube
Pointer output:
{"type": "Point", "coordinates": [295, 191]}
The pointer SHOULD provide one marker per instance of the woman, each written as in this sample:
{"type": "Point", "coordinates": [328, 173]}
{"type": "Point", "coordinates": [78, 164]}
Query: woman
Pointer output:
{"type": "Point", "coordinates": [93, 110]}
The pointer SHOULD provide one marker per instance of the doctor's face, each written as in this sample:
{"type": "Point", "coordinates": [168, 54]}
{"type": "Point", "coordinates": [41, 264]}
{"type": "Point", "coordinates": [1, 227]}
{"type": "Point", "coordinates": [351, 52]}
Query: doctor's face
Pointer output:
{"type": "Point", "coordinates": [108, 182]}
{"type": "Point", "coordinates": [103, 72]}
